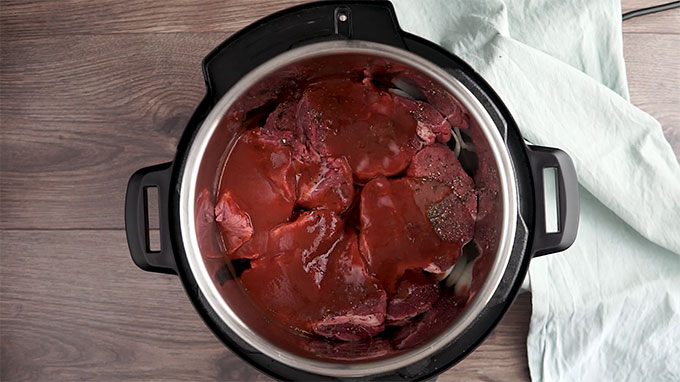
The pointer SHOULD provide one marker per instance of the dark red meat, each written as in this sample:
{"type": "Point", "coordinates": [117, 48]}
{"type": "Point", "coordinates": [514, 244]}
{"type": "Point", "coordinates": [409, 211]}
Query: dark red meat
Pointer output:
{"type": "Point", "coordinates": [396, 234]}
{"type": "Point", "coordinates": [209, 238]}
{"type": "Point", "coordinates": [325, 184]}
{"type": "Point", "coordinates": [489, 216]}
{"type": "Point", "coordinates": [346, 118]}
{"type": "Point", "coordinates": [438, 163]}
{"type": "Point", "coordinates": [260, 179]}
{"type": "Point", "coordinates": [281, 128]}
{"type": "Point", "coordinates": [452, 216]}
{"type": "Point", "coordinates": [310, 234]}
{"type": "Point", "coordinates": [320, 282]}
{"type": "Point", "coordinates": [435, 320]}
{"type": "Point", "coordinates": [418, 223]}
{"type": "Point", "coordinates": [431, 126]}
{"type": "Point", "coordinates": [233, 221]}
{"type": "Point", "coordinates": [415, 294]}
{"type": "Point", "coordinates": [311, 169]}
{"type": "Point", "coordinates": [438, 98]}
{"type": "Point", "coordinates": [367, 348]}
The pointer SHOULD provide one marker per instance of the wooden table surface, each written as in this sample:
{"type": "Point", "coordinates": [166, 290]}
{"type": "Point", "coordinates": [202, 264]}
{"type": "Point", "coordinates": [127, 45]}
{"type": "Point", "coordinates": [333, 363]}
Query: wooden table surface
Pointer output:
{"type": "Point", "coordinates": [91, 91]}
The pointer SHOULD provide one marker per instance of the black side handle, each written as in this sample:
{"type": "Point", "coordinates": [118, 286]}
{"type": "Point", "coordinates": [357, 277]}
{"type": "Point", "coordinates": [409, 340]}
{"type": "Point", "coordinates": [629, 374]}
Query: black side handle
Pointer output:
{"type": "Point", "coordinates": [545, 162]}
{"type": "Point", "coordinates": [137, 219]}
{"type": "Point", "coordinates": [303, 24]}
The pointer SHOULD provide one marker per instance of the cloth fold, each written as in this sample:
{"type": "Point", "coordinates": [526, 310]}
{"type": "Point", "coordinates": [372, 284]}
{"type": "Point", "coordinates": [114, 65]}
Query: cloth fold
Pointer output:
{"type": "Point", "coordinates": [607, 308]}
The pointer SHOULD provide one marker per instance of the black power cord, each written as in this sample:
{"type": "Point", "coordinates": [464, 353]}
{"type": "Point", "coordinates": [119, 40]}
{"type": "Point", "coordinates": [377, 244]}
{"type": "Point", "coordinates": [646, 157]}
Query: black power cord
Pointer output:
{"type": "Point", "coordinates": [650, 10]}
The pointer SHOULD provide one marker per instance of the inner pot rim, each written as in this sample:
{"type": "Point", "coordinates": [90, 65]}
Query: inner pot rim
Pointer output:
{"type": "Point", "coordinates": [188, 196]}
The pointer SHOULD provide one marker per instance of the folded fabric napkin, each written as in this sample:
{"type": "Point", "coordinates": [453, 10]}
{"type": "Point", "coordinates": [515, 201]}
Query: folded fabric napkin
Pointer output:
{"type": "Point", "coordinates": [607, 309]}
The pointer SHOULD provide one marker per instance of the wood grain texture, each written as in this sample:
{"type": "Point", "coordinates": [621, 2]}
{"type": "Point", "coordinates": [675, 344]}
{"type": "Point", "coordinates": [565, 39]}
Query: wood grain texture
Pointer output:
{"type": "Point", "coordinates": [73, 306]}
{"type": "Point", "coordinates": [91, 91]}
{"type": "Point", "coordinates": [660, 23]}
{"type": "Point", "coordinates": [81, 115]}
{"type": "Point", "coordinates": [653, 66]}
{"type": "Point", "coordinates": [28, 19]}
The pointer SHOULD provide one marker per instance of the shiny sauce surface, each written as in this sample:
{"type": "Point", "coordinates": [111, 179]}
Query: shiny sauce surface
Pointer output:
{"type": "Point", "coordinates": [348, 208]}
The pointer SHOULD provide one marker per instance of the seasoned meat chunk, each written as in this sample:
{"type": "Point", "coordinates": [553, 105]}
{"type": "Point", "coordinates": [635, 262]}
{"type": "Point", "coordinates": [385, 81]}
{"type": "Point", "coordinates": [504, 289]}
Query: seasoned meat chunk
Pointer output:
{"type": "Point", "coordinates": [326, 184]}
{"type": "Point", "coordinates": [346, 118]}
{"type": "Point", "coordinates": [320, 282]}
{"type": "Point", "coordinates": [396, 234]}
{"type": "Point", "coordinates": [233, 221]}
{"type": "Point", "coordinates": [431, 126]}
{"type": "Point", "coordinates": [260, 179]}
{"type": "Point", "coordinates": [415, 294]}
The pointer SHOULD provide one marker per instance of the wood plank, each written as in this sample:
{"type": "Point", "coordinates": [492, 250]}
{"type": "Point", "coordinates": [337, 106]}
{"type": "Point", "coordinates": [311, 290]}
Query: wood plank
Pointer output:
{"type": "Point", "coordinates": [73, 306]}
{"type": "Point", "coordinates": [661, 23]}
{"type": "Point", "coordinates": [27, 19]}
{"type": "Point", "coordinates": [654, 79]}
{"type": "Point", "coordinates": [667, 22]}
{"type": "Point", "coordinates": [81, 115]}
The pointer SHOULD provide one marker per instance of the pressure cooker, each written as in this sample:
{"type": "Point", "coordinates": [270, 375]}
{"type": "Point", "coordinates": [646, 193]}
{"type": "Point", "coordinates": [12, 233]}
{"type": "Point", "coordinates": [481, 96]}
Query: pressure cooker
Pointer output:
{"type": "Point", "coordinates": [534, 199]}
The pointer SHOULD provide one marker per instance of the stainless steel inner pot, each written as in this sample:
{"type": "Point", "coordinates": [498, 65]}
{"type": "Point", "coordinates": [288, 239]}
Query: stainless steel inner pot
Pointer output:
{"type": "Point", "coordinates": [200, 176]}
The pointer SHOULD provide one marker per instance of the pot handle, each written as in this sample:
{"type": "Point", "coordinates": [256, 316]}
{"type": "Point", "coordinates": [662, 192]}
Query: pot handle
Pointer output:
{"type": "Point", "coordinates": [137, 219]}
{"type": "Point", "coordinates": [557, 201]}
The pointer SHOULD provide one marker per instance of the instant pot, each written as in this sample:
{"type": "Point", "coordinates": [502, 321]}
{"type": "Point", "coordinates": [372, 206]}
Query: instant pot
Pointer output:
{"type": "Point", "coordinates": [529, 194]}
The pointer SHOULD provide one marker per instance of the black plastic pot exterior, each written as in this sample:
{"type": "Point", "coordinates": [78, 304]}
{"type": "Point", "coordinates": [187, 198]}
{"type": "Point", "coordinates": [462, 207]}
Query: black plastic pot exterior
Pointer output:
{"type": "Point", "coordinates": [375, 22]}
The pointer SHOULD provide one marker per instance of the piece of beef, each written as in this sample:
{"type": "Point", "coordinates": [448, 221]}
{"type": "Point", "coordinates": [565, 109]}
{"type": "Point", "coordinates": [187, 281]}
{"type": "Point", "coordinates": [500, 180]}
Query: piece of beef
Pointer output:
{"type": "Point", "coordinates": [281, 128]}
{"type": "Point", "coordinates": [431, 125]}
{"type": "Point", "coordinates": [453, 216]}
{"type": "Point", "coordinates": [319, 283]}
{"type": "Point", "coordinates": [396, 234]}
{"type": "Point", "coordinates": [233, 221]}
{"type": "Point", "coordinates": [310, 234]}
{"type": "Point", "coordinates": [447, 308]}
{"type": "Point", "coordinates": [264, 94]}
{"type": "Point", "coordinates": [325, 184]}
{"type": "Point", "coordinates": [489, 214]}
{"type": "Point", "coordinates": [366, 317]}
{"type": "Point", "coordinates": [415, 294]}
{"type": "Point", "coordinates": [353, 300]}
{"type": "Point", "coordinates": [439, 164]}
{"type": "Point", "coordinates": [421, 222]}
{"type": "Point", "coordinates": [260, 178]}
{"type": "Point", "coordinates": [436, 96]}
{"type": "Point", "coordinates": [209, 238]}
{"type": "Point", "coordinates": [342, 117]}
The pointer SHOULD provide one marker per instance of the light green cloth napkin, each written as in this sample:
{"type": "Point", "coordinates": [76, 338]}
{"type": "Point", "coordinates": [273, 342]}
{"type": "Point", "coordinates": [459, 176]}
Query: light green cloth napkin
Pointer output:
{"type": "Point", "coordinates": [607, 309]}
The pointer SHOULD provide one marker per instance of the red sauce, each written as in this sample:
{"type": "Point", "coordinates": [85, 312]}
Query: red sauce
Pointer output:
{"type": "Point", "coordinates": [260, 177]}
{"type": "Point", "coordinates": [332, 241]}
{"type": "Point", "coordinates": [396, 234]}
{"type": "Point", "coordinates": [361, 123]}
